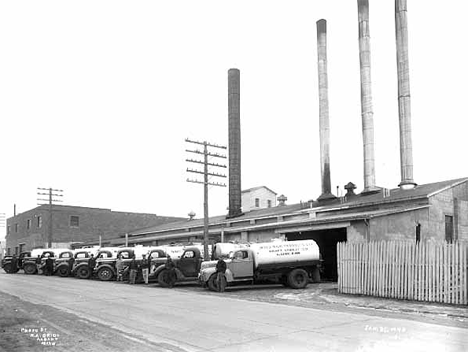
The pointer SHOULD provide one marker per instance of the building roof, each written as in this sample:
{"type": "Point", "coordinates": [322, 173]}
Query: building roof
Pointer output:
{"type": "Point", "coordinates": [302, 214]}
{"type": "Point", "coordinates": [256, 188]}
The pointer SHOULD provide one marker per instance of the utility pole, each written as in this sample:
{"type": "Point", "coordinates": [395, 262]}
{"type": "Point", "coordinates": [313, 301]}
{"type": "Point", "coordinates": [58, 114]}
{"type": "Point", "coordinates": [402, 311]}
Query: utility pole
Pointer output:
{"type": "Point", "coordinates": [51, 200]}
{"type": "Point", "coordinates": [206, 173]}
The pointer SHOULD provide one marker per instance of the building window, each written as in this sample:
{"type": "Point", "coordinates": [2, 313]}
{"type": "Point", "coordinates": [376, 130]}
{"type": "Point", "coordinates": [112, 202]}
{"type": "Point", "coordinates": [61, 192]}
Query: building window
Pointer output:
{"type": "Point", "coordinates": [21, 247]}
{"type": "Point", "coordinates": [8, 229]}
{"type": "Point", "coordinates": [16, 227]}
{"type": "Point", "coordinates": [257, 202]}
{"type": "Point", "coordinates": [8, 251]}
{"type": "Point", "coordinates": [74, 221]}
{"type": "Point", "coordinates": [16, 250]}
{"type": "Point", "coordinates": [449, 228]}
{"type": "Point", "coordinates": [28, 224]}
{"type": "Point", "coordinates": [269, 203]}
{"type": "Point", "coordinates": [39, 221]}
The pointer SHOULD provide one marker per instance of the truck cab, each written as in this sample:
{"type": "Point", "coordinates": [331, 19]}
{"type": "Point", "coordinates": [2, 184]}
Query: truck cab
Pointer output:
{"type": "Point", "coordinates": [186, 268]}
{"type": "Point", "coordinates": [7, 266]}
{"type": "Point", "coordinates": [30, 263]}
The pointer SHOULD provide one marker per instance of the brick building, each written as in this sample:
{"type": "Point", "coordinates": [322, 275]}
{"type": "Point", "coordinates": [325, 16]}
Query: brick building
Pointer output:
{"type": "Point", "coordinates": [71, 224]}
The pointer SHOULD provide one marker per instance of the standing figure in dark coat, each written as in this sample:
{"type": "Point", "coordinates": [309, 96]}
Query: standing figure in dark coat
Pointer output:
{"type": "Point", "coordinates": [71, 262]}
{"type": "Point", "coordinates": [49, 266]}
{"type": "Point", "coordinates": [171, 273]}
{"type": "Point", "coordinates": [133, 266]}
{"type": "Point", "coordinates": [92, 264]}
{"type": "Point", "coordinates": [221, 276]}
{"type": "Point", "coordinates": [14, 264]}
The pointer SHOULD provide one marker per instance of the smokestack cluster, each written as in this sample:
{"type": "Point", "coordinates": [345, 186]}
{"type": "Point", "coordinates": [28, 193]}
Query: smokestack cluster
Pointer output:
{"type": "Point", "coordinates": [324, 121]}
{"type": "Point", "coordinates": [235, 191]}
{"type": "Point", "coordinates": [404, 98]}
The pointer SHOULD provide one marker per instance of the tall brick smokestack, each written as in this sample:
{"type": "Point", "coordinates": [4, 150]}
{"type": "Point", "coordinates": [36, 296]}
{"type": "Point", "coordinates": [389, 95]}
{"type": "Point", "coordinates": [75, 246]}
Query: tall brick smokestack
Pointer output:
{"type": "Point", "coordinates": [235, 196]}
{"type": "Point", "coordinates": [324, 121]}
{"type": "Point", "coordinates": [367, 115]}
{"type": "Point", "coordinates": [404, 98]}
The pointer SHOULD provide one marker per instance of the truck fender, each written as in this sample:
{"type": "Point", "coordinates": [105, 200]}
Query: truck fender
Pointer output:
{"type": "Point", "coordinates": [158, 270]}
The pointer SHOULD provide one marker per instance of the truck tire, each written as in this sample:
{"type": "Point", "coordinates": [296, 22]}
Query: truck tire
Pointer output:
{"type": "Point", "coordinates": [213, 283]}
{"type": "Point", "coordinates": [316, 275]}
{"type": "Point", "coordinates": [105, 274]}
{"type": "Point", "coordinates": [83, 272]}
{"type": "Point", "coordinates": [30, 268]}
{"type": "Point", "coordinates": [7, 268]}
{"type": "Point", "coordinates": [163, 279]}
{"type": "Point", "coordinates": [298, 278]}
{"type": "Point", "coordinates": [63, 271]}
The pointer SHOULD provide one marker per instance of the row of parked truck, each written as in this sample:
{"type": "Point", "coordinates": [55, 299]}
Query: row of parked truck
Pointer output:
{"type": "Point", "coordinates": [291, 263]}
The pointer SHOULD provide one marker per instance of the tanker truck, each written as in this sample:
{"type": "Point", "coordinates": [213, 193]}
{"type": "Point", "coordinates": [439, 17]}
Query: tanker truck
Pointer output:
{"type": "Point", "coordinates": [291, 263]}
{"type": "Point", "coordinates": [188, 266]}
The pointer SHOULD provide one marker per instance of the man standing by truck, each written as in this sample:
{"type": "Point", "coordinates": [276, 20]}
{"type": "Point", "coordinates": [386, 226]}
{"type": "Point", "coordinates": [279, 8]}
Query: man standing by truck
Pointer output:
{"type": "Point", "coordinates": [92, 264]}
{"type": "Point", "coordinates": [145, 268]}
{"type": "Point", "coordinates": [221, 274]}
{"type": "Point", "coordinates": [133, 266]}
{"type": "Point", "coordinates": [171, 274]}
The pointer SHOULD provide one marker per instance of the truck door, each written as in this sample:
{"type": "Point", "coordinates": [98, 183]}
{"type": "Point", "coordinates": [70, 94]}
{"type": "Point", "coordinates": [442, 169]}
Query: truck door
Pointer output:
{"type": "Point", "coordinates": [189, 263]}
{"type": "Point", "coordinates": [241, 265]}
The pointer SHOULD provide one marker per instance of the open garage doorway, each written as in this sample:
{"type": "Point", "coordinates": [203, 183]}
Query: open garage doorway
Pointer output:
{"type": "Point", "coordinates": [326, 240]}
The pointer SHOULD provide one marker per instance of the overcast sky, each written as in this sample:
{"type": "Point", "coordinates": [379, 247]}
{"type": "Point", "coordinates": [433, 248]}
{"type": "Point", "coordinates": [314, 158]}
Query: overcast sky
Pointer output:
{"type": "Point", "coordinates": [97, 97]}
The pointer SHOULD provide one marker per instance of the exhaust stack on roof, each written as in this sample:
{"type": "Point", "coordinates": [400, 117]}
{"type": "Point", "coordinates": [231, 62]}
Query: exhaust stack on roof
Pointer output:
{"type": "Point", "coordinates": [404, 99]}
{"type": "Point", "coordinates": [366, 97]}
{"type": "Point", "coordinates": [324, 121]}
{"type": "Point", "coordinates": [235, 193]}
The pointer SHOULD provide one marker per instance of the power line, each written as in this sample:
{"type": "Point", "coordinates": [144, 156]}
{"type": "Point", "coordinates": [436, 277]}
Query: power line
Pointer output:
{"type": "Point", "coordinates": [206, 153]}
{"type": "Point", "coordinates": [52, 193]}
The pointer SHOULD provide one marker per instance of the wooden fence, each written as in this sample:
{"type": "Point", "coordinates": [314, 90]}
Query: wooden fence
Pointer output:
{"type": "Point", "coordinates": [435, 272]}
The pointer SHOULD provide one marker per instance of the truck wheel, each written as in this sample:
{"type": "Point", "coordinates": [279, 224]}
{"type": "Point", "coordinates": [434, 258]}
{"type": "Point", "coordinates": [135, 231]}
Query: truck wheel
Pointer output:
{"type": "Point", "coordinates": [62, 271]}
{"type": "Point", "coordinates": [213, 283]}
{"type": "Point", "coordinates": [316, 275]}
{"type": "Point", "coordinates": [163, 279]}
{"type": "Point", "coordinates": [7, 268]}
{"type": "Point", "coordinates": [298, 278]}
{"type": "Point", "coordinates": [83, 272]}
{"type": "Point", "coordinates": [105, 274]}
{"type": "Point", "coordinates": [30, 269]}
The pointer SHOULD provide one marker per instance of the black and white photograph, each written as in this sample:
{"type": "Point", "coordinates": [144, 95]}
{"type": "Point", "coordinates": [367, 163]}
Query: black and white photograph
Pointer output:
{"type": "Point", "coordinates": [235, 176]}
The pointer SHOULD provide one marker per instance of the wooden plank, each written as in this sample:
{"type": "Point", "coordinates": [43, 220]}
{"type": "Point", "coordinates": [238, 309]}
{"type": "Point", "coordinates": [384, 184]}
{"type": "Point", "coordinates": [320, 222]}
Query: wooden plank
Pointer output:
{"type": "Point", "coordinates": [445, 275]}
{"type": "Point", "coordinates": [456, 281]}
{"type": "Point", "coordinates": [425, 272]}
{"type": "Point", "coordinates": [464, 262]}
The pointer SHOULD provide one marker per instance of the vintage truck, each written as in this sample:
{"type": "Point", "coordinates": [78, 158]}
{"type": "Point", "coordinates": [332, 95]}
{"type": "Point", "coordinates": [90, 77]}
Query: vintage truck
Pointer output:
{"type": "Point", "coordinates": [30, 263]}
{"type": "Point", "coordinates": [291, 263]}
{"type": "Point", "coordinates": [106, 270]}
{"type": "Point", "coordinates": [62, 264]}
{"type": "Point", "coordinates": [188, 266]}
{"type": "Point", "coordinates": [6, 262]}
{"type": "Point", "coordinates": [104, 254]}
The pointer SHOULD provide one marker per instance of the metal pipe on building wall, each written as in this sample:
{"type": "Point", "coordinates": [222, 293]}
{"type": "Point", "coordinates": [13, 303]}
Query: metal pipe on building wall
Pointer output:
{"type": "Point", "coordinates": [324, 120]}
{"type": "Point", "coordinates": [235, 195]}
{"type": "Point", "coordinates": [367, 114]}
{"type": "Point", "coordinates": [404, 98]}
